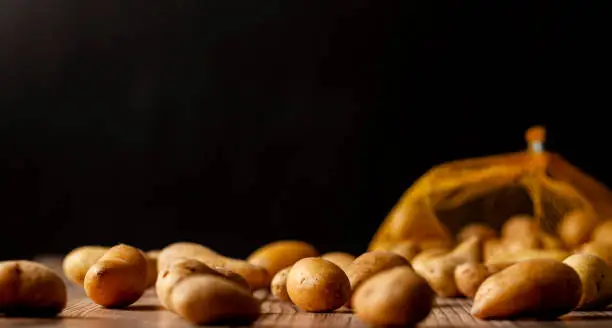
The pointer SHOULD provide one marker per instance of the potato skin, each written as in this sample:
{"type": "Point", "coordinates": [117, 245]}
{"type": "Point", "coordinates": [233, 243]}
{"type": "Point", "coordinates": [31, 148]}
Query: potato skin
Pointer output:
{"type": "Point", "coordinates": [602, 250]}
{"type": "Point", "coordinates": [76, 263]}
{"type": "Point", "coordinates": [341, 259]}
{"type": "Point", "coordinates": [542, 288]}
{"type": "Point", "coordinates": [317, 285]}
{"type": "Point", "coordinates": [151, 257]}
{"type": "Point", "coordinates": [278, 286]}
{"type": "Point", "coordinates": [119, 278]}
{"type": "Point", "coordinates": [256, 276]}
{"type": "Point", "coordinates": [175, 272]}
{"type": "Point", "coordinates": [280, 254]}
{"type": "Point", "coordinates": [208, 299]}
{"type": "Point", "coordinates": [397, 296]}
{"type": "Point", "coordinates": [576, 227]}
{"type": "Point", "coordinates": [596, 278]}
{"type": "Point", "coordinates": [371, 263]}
{"type": "Point", "coordinates": [30, 289]}
{"type": "Point", "coordinates": [233, 277]}
{"type": "Point", "coordinates": [469, 276]}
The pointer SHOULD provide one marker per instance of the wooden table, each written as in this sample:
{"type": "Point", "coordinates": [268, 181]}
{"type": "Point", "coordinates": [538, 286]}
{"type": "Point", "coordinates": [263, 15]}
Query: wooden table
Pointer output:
{"type": "Point", "coordinates": [82, 313]}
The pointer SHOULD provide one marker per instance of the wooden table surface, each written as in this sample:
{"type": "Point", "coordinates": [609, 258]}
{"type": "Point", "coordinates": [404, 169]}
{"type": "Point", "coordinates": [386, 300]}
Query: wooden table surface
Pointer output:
{"type": "Point", "coordinates": [82, 313]}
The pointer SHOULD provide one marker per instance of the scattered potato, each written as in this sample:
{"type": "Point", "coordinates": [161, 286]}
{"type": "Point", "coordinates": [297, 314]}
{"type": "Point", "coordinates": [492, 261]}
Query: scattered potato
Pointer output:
{"type": "Point", "coordinates": [602, 250]}
{"type": "Point", "coordinates": [151, 257]}
{"type": "Point", "coordinates": [207, 299]}
{"type": "Point", "coordinates": [232, 276]}
{"type": "Point", "coordinates": [439, 271]}
{"type": "Point", "coordinates": [341, 259]}
{"type": "Point", "coordinates": [541, 288]}
{"type": "Point", "coordinates": [428, 254]}
{"type": "Point", "coordinates": [79, 260]}
{"type": "Point", "coordinates": [278, 286]}
{"type": "Point", "coordinates": [256, 276]}
{"type": "Point", "coordinates": [596, 278]}
{"type": "Point", "coordinates": [576, 227]}
{"type": "Point", "coordinates": [119, 278]}
{"type": "Point", "coordinates": [480, 230]}
{"type": "Point", "coordinates": [317, 285]}
{"type": "Point", "coordinates": [408, 249]}
{"type": "Point", "coordinates": [30, 289]}
{"type": "Point", "coordinates": [175, 272]}
{"type": "Point", "coordinates": [397, 296]}
{"type": "Point", "coordinates": [280, 254]}
{"type": "Point", "coordinates": [371, 263]}
{"type": "Point", "coordinates": [469, 276]}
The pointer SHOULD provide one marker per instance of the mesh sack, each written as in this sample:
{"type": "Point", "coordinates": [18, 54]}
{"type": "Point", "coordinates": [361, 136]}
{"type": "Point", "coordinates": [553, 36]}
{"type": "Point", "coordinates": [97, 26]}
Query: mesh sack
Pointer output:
{"type": "Point", "coordinates": [492, 189]}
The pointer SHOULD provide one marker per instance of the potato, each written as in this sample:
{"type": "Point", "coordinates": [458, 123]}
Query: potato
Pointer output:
{"type": "Point", "coordinates": [596, 278]}
{"type": "Point", "coordinates": [394, 297]}
{"type": "Point", "coordinates": [30, 289]}
{"type": "Point", "coordinates": [175, 272]}
{"type": "Point", "coordinates": [439, 271]}
{"type": "Point", "coordinates": [371, 263]}
{"type": "Point", "coordinates": [207, 299]}
{"type": "Point", "coordinates": [480, 230]}
{"type": "Point", "coordinates": [151, 257]}
{"type": "Point", "coordinates": [79, 260]}
{"type": "Point", "coordinates": [603, 232]}
{"type": "Point", "coordinates": [317, 285]}
{"type": "Point", "coordinates": [602, 250]}
{"type": "Point", "coordinates": [280, 254]}
{"type": "Point", "coordinates": [256, 276]}
{"type": "Point", "coordinates": [278, 286]}
{"type": "Point", "coordinates": [469, 276]}
{"type": "Point", "coordinates": [548, 241]}
{"type": "Point", "coordinates": [428, 254]}
{"type": "Point", "coordinates": [528, 254]}
{"type": "Point", "coordinates": [541, 288]}
{"type": "Point", "coordinates": [519, 226]}
{"type": "Point", "coordinates": [576, 227]}
{"type": "Point", "coordinates": [119, 278]}
{"type": "Point", "coordinates": [406, 248]}
{"type": "Point", "coordinates": [491, 248]}
{"type": "Point", "coordinates": [341, 259]}
{"type": "Point", "coordinates": [233, 277]}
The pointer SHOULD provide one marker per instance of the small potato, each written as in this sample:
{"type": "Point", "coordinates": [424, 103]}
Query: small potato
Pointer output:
{"type": "Point", "coordinates": [317, 285]}
{"type": "Point", "coordinates": [256, 276]}
{"type": "Point", "coordinates": [542, 288]}
{"type": "Point", "coordinates": [406, 248]}
{"type": "Point", "coordinates": [208, 299]}
{"type": "Point", "coordinates": [280, 254]}
{"type": "Point", "coordinates": [394, 297]}
{"type": "Point", "coordinates": [469, 276]}
{"type": "Point", "coordinates": [30, 289]}
{"type": "Point", "coordinates": [603, 233]}
{"type": "Point", "coordinates": [576, 227]}
{"type": "Point", "coordinates": [371, 263]}
{"type": "Point", "coordinates": [439, 271]}
{"type": "Point", "coordinates": [79, 260]}
{"type": "Point", "coordinates": [341, 259]}
{"type": "Point", "coordinates": [602, 250]}
{"type": "Point", "coordinates": [596, 278]}
{"type": "Point", "coordinates": [278, 286]}
{"type": "Point", "coordinates": [151, 257]}
{"type": "Point", "coordinates": [480, 230]}
{"type": "Point", "coordinates": [119, 278]}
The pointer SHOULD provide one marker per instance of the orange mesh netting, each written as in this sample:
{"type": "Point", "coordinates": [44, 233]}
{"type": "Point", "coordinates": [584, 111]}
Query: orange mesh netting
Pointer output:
{"type": "Point", "coordinates": [492, 189]}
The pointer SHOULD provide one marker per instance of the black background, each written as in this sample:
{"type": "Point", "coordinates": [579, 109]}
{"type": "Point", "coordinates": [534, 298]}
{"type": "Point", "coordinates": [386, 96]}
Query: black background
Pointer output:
{"type": "Point", "coordinates": [235, 123]}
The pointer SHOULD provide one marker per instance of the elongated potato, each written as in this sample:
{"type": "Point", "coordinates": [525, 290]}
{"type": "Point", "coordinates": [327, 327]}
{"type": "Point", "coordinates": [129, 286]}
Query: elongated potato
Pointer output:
{"type": "Point", "coordinates": [209, 299]}
{"type": "Point", "coordinates": [469, 276]}
{"type": "Point", "coordinates": [30, 289]}
{"type": "Point", "coordinates": [576, 227]}
{"type": "Point", "coordinates": [119, 278]}
{"type": "Point", "coordinates": [280, 254]}
{"type": "Point", "coordinates": [317, 285]}
{"type": "Point", "coordinates": [233, 277]}
{"type": "Point", "coordinates": [256, 276]}
{"type": "Point", "coordinates": [79, 260]}
{"type": "Point", "coordinates": [341, 259]}
{"type": "Point", "coordinates": [371, 263]}
{"type": "Point", "coordinates": [397, 296]}
{"type": "Point", "coordinates": [542, 288]}
{"type": "Point", "coordinates": [278, 286]}
{"type": "Point", "coordinates": [596, 278]}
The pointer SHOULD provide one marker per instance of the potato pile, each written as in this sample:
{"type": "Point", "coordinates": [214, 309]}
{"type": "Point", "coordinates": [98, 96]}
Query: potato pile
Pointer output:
{"type": "Point", "coordinates": [520, 271]}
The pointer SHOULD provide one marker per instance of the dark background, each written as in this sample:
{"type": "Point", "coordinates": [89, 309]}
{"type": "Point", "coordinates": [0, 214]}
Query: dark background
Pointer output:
{"type": "Point", "coordinates": [235, 123]}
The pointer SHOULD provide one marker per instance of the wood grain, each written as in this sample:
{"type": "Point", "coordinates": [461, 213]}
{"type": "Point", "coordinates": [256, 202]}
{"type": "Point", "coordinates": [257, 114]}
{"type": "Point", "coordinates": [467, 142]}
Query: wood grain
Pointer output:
{"type": "Point", "coordinates": [82, 313]}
